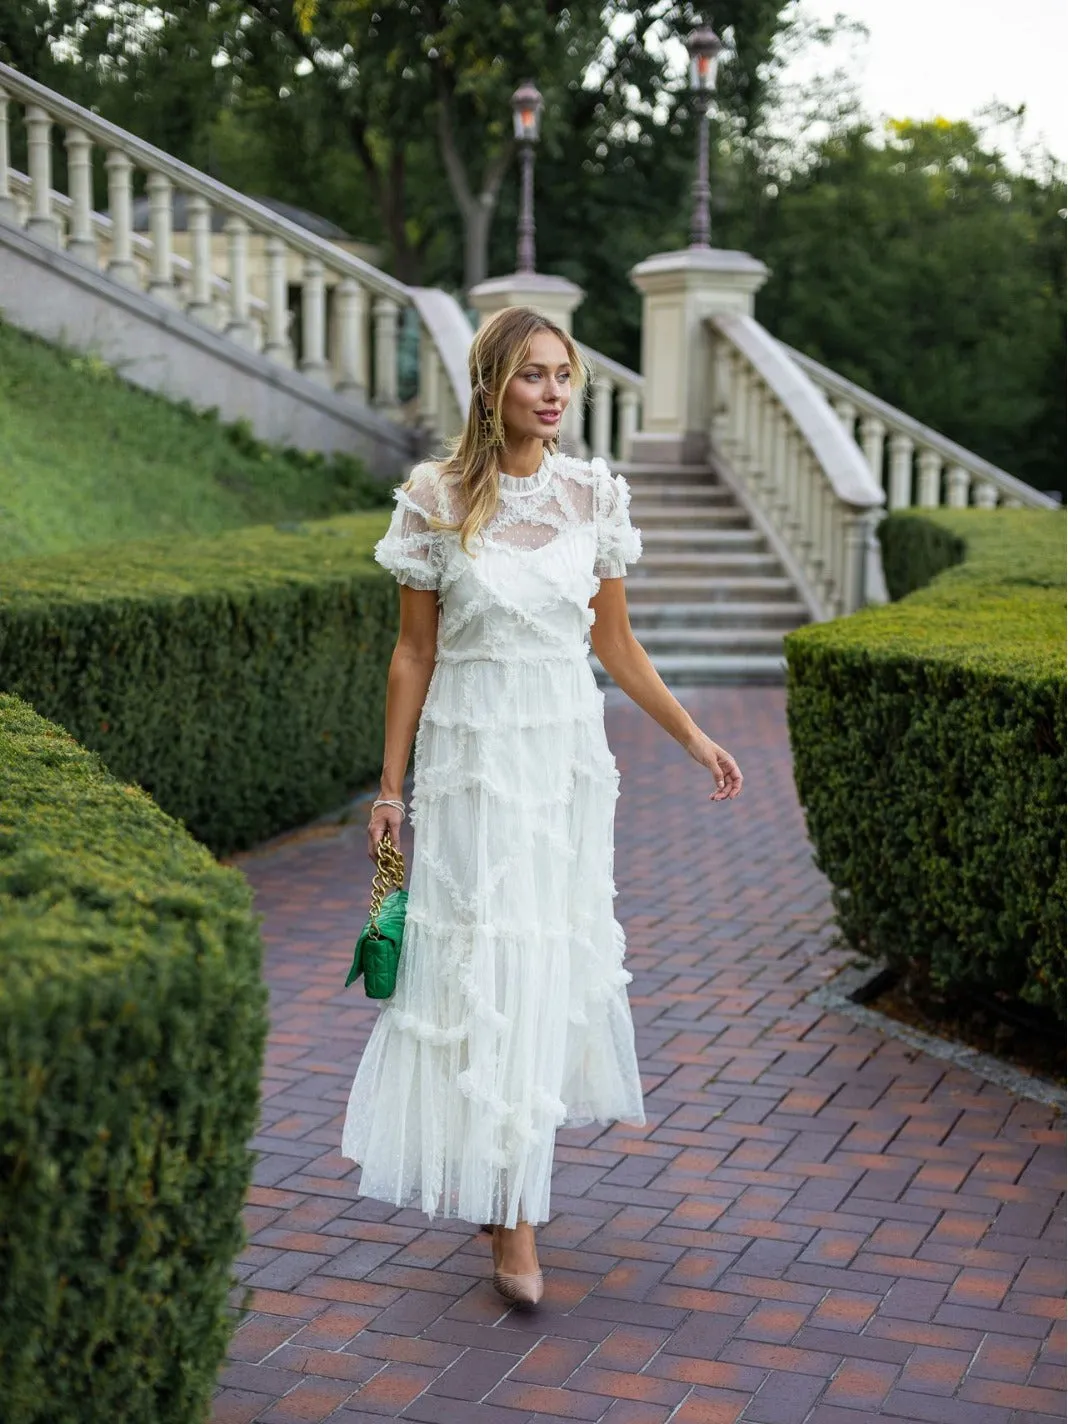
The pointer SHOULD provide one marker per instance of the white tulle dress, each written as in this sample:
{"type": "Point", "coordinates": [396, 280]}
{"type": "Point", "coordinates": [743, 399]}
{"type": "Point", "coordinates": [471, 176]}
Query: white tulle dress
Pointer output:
{"type": "Point", "coordinates": [510, 1018]}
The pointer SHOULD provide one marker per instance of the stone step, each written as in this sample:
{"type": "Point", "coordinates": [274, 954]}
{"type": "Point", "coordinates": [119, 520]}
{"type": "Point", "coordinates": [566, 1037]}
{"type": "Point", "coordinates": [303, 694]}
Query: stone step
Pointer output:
{"type": "Point", "coordinates": [694, 539]}
{"type": "Point", "coordinates": [649, 492]}
{"type": "Point", "coordinates": [650, 514]}
{"type": "Point", "coordinates": [726, 588]}
{"type": "Point", "coordinates": [674, 474]}
{"type": "Point", "coordinates": [761, 614]}
{"type": "Point", "coordinates": [732, 639]}
{"type": "Point", "coordinates": [707, 669]}
{"type": "Point", "coordinates": [696, 563]}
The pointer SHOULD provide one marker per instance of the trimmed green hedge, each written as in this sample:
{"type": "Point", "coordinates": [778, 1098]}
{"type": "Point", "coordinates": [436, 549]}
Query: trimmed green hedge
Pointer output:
{"type": "Point", "coordinates": [928, 738]}
{"type": "Point", "coordinates": [132, 1024]}
{"type": "Point", "coordinates": [239, 679]}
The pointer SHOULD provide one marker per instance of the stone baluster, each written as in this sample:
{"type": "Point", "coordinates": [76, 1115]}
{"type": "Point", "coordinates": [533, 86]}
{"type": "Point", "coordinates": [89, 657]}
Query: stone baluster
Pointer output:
{"type": "Point", "coordinates": [160, 226]}
{"type": "Point", "coordinates": [351, 343]}
{"type": "Point", "coordinates": [831, 547]}
{"type": "Point", "coordinates": [198, 220]}
{"type": "Point", "coordinates": [8, 211]}
{"type": "Point", "coordinates": [431, 388]}
{"type": "Point", "coordinates": [901, 451]}
{"type": "Point", "coordinates": [238, 326]}
{"type": "Point", "coordinates": [846, 411]}
{"type": "Point", "coordinates": [872, 440]}
{"type": "Point", "coordinates": [386, 313]}
{"type": "Point", "coordinates": [628, 421]}
{"type": "Point", "coordinates": [42, 223]}
{"type": "Point", "coordinates": [601, 426]}
{"type": "Point", "coordinates": [793, 527]}
{"type": "Point", "coordinates": [1012, 503]}
{"type": "Point", "coordinates": [120, 173]}
{"type": "Point", "coordinates": [780, 475]}
{"type": "Point", "coordinates": [313, 363]}
{"type": "Point", "coordinates": [278, 347]}
{"type": "Point", "coordinates": [957, 484]}
{"type": "Point", "coordinates": [81, 237]}
{"type": "Point", "coordinates": [929, 465]}
{"type": "Point", "coordinates": [809, 478]}
{"type": "Point", "coordinates": [858, 525]}
{"type": "Point", "coordinates": [986, 494]}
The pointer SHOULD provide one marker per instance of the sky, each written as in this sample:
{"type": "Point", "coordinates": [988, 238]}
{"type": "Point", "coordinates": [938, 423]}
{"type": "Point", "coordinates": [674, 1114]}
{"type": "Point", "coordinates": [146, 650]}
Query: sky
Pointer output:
{"type": "Point", "coordinates": [951, 57]}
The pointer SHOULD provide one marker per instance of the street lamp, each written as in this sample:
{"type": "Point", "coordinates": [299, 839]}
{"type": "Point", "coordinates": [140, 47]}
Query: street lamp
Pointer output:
{"type": "Point", "coordinates": [704, 46]}
{"type": "Point", "coordinates": [526, 118]}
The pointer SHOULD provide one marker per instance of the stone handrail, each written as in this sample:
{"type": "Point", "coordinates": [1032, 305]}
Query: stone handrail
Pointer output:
{"type": "Point", "coordinates": [103, 228]}
{"type": "Point", "coordinates": [805, 481]}
{"type": "Point", "coordinates": [923, 468]}
{"type": "Point", "coordinates": [617, 391]}
{"type": "Point", "coordinates": [356, 353]}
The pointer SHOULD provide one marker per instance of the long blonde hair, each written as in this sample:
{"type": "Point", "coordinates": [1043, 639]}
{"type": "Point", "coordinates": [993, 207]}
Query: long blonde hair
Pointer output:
{"type": "Point", "coordinates": [499, 351]}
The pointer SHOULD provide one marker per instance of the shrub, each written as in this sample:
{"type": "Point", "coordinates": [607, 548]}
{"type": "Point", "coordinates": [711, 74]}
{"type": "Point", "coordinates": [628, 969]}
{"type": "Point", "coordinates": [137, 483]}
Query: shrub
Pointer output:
{"type": "Point", "coordinates": [132, 1023]}
{"type": "Point", "coordinates": [928, 738]}
{"type": "Point", "coordinates": [240, 679]}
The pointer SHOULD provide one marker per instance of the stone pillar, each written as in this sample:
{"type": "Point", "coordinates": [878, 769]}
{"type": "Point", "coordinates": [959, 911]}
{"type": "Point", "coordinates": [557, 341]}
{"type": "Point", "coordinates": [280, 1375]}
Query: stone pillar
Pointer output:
{"type": "Point", "coordinates": [161, 225]}
{"type": "Point", "coordinates": [680, 291]}
{"type": "Point", "coordinates": [120, 177]}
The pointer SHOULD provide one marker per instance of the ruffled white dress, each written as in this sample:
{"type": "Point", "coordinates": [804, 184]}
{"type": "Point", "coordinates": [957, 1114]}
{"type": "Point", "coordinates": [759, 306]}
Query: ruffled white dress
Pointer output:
{"type": "Point", "coordinates": [510, 1018]}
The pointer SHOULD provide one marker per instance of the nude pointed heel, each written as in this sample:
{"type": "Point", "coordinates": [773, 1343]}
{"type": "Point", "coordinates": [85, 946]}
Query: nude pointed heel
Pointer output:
{"type": "Point", "coordinates": [517, 1287]}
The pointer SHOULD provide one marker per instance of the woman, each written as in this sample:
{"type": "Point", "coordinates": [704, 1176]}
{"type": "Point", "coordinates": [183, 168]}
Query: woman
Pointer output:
{"type": "Point", "coordinates": [510, 1018]}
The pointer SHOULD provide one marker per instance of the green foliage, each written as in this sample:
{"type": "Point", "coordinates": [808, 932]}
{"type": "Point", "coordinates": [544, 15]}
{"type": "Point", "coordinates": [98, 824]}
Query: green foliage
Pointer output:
{"type": "Point", "coordinates": [123, 463]}
{"type": "Point", "coordinates": [929, 753]}
{"type": "Point", "coordinates": [132, 1025]}
{"type": "Point", "coordinates": [240, 680]}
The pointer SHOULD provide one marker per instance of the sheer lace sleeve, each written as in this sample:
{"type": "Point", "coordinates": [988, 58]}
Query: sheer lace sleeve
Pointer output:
{"type": "Point", "coordinates": [618, 542]}
{"type": "Point", "coordinates": [410, 549]}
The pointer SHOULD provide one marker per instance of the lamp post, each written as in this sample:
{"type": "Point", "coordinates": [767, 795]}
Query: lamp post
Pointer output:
{"type": "Point", "coordinates": [704, 46]}
{"type": "Point", "coordinates": [526, 118]}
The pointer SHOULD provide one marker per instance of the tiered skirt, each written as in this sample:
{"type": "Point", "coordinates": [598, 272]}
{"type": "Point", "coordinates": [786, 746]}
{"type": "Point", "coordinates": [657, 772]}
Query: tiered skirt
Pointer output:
{"type": "Point", "coordinates": [510, 1017]}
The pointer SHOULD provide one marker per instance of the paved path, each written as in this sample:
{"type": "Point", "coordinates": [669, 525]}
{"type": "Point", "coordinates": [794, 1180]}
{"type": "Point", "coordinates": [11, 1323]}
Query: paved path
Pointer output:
{"type": "Point", "coordinates": [817, 1225]}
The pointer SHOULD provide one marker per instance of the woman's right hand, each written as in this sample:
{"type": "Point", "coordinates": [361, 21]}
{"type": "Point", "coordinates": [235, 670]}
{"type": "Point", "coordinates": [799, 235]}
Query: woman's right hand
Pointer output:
{"type": "Point", "coordinates": [383, 819]}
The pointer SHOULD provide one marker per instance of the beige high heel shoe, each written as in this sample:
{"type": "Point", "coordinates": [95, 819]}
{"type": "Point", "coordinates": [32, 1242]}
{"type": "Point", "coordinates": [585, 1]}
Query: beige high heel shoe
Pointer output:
{"type": "Point", "coordinates": [517, 1287]}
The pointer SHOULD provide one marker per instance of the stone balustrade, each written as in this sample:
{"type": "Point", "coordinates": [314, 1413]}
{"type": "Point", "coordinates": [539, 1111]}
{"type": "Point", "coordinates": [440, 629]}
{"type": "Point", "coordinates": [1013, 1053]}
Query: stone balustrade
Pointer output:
{"type": "Point", "coordinates": [805, 481]}
{"type": "Point", "coordinates": [614, 406]}
{"type": "Point", "coordinates": [915, 465]}
{"type": "Point", "coordinates": [350, 345]}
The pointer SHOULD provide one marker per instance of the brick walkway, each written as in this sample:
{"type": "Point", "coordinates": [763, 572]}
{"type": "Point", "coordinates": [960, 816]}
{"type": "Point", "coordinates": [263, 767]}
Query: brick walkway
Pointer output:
{"type": "Point", "coordinates": [817, 1225]}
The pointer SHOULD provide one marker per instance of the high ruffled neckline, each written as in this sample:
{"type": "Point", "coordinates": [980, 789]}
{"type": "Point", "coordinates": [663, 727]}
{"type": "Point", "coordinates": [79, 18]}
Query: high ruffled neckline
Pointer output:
{"type": "Point", "coordinates": [527, 484]}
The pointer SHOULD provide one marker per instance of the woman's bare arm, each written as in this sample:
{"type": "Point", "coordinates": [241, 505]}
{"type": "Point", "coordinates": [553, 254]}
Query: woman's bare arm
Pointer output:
{"type": "Point", "coordinates": [628, 665]}
{"type": "Point", "coordinates": [410, 670]}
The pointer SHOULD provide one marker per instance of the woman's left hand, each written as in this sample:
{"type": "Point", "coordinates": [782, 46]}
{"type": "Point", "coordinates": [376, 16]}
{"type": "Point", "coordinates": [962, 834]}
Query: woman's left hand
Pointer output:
{"type": "Point", "coordinates": [720, 763]}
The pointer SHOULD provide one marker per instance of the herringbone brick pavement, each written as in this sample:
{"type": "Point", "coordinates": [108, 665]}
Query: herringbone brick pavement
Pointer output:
{"type": "Point", "coordinates": [817, 1225]}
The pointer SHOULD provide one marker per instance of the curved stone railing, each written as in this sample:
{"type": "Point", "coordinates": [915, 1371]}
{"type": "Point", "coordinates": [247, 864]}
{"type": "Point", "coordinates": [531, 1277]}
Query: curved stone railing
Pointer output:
{"type": "Point", "coordinates": [916, 465]}
{"type": "Point", "coordinates": [805, 483]}
{"type": "Point", "coordinates": [354, 352]}
{"type": "Point", "coordinates": [614, 404]}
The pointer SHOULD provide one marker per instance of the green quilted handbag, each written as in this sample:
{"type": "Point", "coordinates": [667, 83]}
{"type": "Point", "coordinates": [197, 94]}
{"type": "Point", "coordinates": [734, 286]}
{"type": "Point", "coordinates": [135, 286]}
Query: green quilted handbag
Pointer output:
{"type": "Point", "coordinates": [378, 948]}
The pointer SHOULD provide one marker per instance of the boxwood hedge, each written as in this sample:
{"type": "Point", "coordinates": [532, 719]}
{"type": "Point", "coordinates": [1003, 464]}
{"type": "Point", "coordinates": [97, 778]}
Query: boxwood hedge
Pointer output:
{"type": "Point", "coordinates": [928, 738]}
{"type": "Point", "coordinates": [239, 679]}
{"type": "Point", "coordinates": [132, 1023]}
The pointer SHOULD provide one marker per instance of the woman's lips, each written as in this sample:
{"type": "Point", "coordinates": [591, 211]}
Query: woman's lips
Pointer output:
{"type": "Point", "coordinates": [548, 417]}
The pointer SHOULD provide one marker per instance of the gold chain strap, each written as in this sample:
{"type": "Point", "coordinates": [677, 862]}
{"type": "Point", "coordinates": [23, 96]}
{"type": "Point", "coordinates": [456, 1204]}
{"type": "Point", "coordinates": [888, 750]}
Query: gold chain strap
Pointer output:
{"type": "Point", "coordinates": [389, 875]}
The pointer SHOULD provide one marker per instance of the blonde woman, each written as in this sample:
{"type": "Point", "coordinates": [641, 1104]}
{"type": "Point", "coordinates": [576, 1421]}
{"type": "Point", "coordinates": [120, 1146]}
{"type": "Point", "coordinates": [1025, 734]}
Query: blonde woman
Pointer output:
{"type": "Point", "coordinates": [510, 1017]}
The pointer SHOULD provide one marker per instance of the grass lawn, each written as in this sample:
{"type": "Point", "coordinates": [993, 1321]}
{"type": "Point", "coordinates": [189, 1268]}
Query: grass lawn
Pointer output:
{"type": "Point", "coordinates": [86, 458]}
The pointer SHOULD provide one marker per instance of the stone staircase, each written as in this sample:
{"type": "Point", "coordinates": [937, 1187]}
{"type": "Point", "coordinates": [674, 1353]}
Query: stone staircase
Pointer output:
{"type": "Point", "coordinates": [708, 601]}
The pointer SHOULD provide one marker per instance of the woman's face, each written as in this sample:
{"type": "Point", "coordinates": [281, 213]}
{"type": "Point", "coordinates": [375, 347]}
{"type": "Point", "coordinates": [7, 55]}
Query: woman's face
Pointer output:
{"type": "Point", "coordinates": [537, 395]}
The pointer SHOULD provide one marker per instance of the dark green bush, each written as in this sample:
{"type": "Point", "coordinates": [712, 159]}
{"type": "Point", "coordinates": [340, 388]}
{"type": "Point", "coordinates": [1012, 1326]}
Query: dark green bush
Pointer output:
{"type": "Point", "coordinates": [239, 679]}
{"type": "Point", "coordinates": [132, 1023]}
{"type": "Point", "coordinates": [928, 738]}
